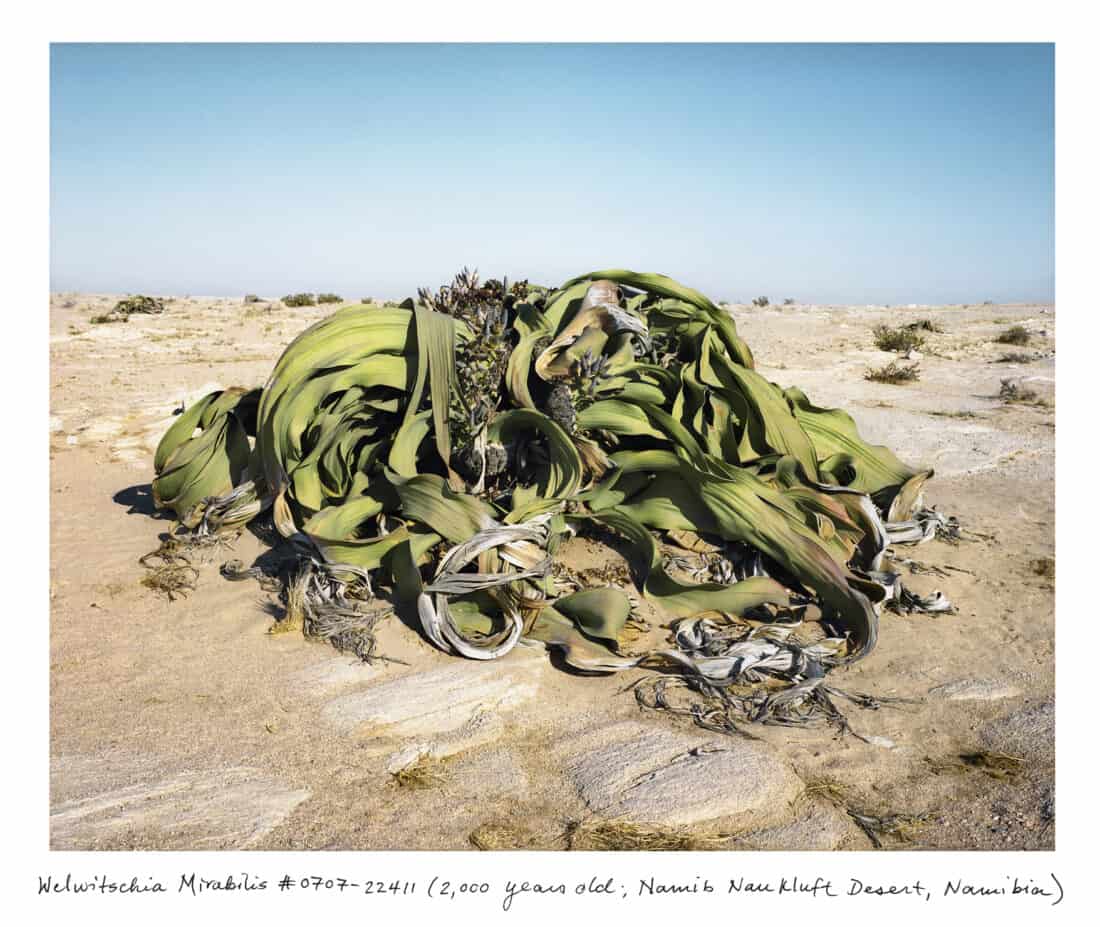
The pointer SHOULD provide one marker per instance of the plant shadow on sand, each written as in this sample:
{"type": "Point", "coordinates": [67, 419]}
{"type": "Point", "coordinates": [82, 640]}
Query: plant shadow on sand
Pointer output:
{"type": "Point", "coordinates": [139, 498]}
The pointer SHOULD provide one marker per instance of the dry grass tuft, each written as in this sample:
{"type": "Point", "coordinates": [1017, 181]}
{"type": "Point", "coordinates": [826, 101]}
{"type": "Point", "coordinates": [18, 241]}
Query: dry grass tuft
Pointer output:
{"type": "Point", "coordinates": [901, 827]}
{"type": "Point", "coordinates": [1015, 357]}
{"type": "Point", "coordinates": [502, 835]}
{"type": "Point", "coordinates": [171, 579]}
{"type": "Point", "coordinates": [1017, 335]}
{"type": "Point", "coordinates": [997, 765]}
{"type": "Point", "coordinates": [622, 835]}
{"type": "Point", "coordinates": [170, 566]}
{"type": "Point", "coordinates": [294, 614]}
{"type": "Point", "coordinates": [426, 772]}
{"type": "Point", "coordinates": [894, 373]}
{"type": "Point", "coordinates": [828, 790]}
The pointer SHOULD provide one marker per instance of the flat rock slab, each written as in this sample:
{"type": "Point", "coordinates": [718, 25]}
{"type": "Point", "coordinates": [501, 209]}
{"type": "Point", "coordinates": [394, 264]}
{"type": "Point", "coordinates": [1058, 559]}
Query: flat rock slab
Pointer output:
{"type": "Point", "coordinates": [333, 674]}
{"type": "Point", "coordinates": [485, 775]}
{"type": "Point", "coordinates": [444, 711]}
{"type": "Point", "coordinates": [974, 690]}
{"type": "Point", "coordinates": [493, 774]}
{"type": "Point", "coordinates": [215, 809]}
{"type": "Point", "coordinates": [650, 775]}
{"type": "Point", "coordinates": [824, 829]}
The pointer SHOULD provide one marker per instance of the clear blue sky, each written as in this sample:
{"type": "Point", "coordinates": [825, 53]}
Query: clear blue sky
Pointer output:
{"type": "Point", "coordinates": [829, 173]}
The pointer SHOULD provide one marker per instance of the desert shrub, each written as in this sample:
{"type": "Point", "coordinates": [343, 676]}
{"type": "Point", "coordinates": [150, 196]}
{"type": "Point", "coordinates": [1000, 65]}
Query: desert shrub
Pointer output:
{"type": "Point", "coordinates": [251, 298]}
{"type": "Point", "coordinates": [1044, 567]}
{"type": "Point", "coordinates": [1017, 334]}
{"type": "Point", "coordinates": [1015, 357]}
{"type": "Point", "coordinates": [894, 373]}
{"type": "Point", "coordinates": [144, 304]}
{"type": "Point", "coordinates": [107, 318]}
{"type": "Point", "coordinates": [1011, 391]}
{"type": "Point", "coordinates": [299, 299]}
{"type": "Point", "coordinates": [789, 301]}
{"type": "Point", "coordinates": [760, 301]}
{"type": "Point", "coordinates": [898, 340]}
{"type": "Point", "coordinates": [924, 325]}
{"type": "Point", "coordinates": [329, 298]}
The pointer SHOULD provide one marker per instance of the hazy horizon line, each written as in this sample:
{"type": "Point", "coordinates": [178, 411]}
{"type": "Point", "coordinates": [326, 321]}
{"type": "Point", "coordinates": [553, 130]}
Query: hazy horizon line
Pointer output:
{"type": "Point", "coordinates": [772, 302]}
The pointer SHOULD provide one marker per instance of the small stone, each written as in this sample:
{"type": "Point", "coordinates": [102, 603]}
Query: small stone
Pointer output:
{"type": "Point", "coordinates": [974, 690]}
{"type": "Point", "coordinates": [403, 759]}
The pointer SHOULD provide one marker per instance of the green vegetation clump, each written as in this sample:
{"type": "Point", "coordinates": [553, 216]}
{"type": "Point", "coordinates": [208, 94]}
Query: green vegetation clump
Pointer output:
{"type": "Point", "coordinates": [482, 421]}
{"type": "Point", "coordinates": [133, 304]}
{"type": "Point", "coordinates": [329, 298]}
{"type": "Point", "coordinates": [299, 299]}
{"type": "Point", "coordinates": [894, 373]}
{"type": "Point", "coordinates": [1017, 335]}
{"type": "Point", "coordinates": [898, 340]}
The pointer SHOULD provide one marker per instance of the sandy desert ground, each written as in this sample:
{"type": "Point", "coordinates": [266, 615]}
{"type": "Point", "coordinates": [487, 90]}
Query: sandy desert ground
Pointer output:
{"type": "Point", "coordinates": [184, 725]}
